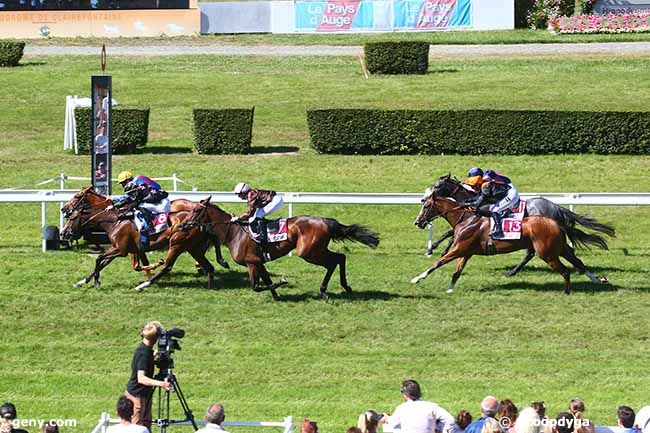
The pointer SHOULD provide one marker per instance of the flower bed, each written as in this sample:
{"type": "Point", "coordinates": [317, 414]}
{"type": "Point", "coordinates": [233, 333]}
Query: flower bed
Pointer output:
{"type": "Point", "coordinates": [630, 23]}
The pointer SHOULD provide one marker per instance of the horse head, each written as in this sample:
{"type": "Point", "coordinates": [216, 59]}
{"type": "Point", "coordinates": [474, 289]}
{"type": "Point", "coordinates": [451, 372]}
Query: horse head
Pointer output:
{"type": "Point", "coordinates": [86, 197]}
{"type": "Point", "coordinates": [73, 228]}
{"type": "Point", "coordinates": [429, 210]}
{"type": "Point", "coordinates": [447, 186]}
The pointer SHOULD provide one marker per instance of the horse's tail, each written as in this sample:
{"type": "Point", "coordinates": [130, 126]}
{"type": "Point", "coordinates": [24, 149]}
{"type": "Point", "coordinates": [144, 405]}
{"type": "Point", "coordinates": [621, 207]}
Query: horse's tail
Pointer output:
{"type": "Point", "coordinates": [578, 237]}
{"type": "Point", "coordinates": [354, 232]}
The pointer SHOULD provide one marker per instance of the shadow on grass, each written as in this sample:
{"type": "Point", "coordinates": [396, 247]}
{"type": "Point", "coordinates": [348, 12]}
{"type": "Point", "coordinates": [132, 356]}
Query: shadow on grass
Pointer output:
{"type": "Point", "coordinates": [25, 64]}
{"type": "Point", "coordinates": [585, 287]}
{"type": "Point", "coordinates": [273, 149]}
{"type": "Point", "coordinates": [367, 295]}
{"type": "Point", "coordinates": [163, 150]}
{"type": "Point", "coordinates": [442, 71]}
{"type": "Point", "coordinates": [535, 269]}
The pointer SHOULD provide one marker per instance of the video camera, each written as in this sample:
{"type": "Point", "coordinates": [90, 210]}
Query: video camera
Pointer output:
{"type": "Point", "coordinates": [167, 344]}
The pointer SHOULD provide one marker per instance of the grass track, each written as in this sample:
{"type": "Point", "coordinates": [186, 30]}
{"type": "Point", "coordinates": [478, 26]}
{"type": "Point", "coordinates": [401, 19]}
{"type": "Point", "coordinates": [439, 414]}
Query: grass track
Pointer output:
{"type": "Point", "coordinates": [65, 352]}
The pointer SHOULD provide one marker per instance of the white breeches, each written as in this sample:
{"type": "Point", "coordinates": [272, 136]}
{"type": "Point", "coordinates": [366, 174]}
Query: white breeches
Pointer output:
{"type": "Point", "coordinates": [273, 206]}
{"type": "Point", "coordinates": [162, 207]}
{"type": "Point", "coordinates": [510, 201]}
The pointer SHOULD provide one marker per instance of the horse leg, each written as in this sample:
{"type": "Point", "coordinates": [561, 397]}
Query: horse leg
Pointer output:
{"type": "Point", "coordinates": [436, 244]}
{"type": "Point", "coordinates": [269, 284]}
{"type": "Point", "coordinates": [570, 256]}
{"type": "Point", "coordinates": [448, 247]}
{"type": "Point", "coordinates": [170, 259]}
{"type": "Point", "coordinates": [145, 264]}
{"type": "Point", "coordinates": [453, 254]}
{"type": "Point", "coordinates": [527, 258]}
{"type": "Point", "coordinates": [199, 255]}
{"type": "Point", "coordinates": [217, 252]}
{"type": "Point", "coordinates": [344, 279]}
{"type": "Point", "coordinates": [327, 259]}
{"type": "Point", "coordinates": [557, 266]}
{"type": "Point", "coordinates": [103, 260]}
{"type": "Point", "coordinates": [460, 265]}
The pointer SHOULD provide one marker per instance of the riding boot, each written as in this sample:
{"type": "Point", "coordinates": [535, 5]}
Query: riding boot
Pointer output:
{"type": "Point", "coordinates": [497, 230]}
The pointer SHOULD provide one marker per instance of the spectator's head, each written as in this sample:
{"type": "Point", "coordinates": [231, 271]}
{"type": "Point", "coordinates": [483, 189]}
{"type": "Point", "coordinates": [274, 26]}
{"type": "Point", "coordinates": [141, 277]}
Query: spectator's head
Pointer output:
{"type": "Point", "coordinates": [354, 429]}
{"type": "Point", "coordinates": [528, 421]}
{"type": "Point", "coordinates": [564, 423]}
{"type": "Point", "coordinates": [489, 406]}
{"type": "Point", "coordinates": [215, 414]}
{"type": "Point", "coordinates": [125, 408]}
{"type": "Point", "coordinates": [411, 390]}
{"type": "Point", "coordinates": [8, 411]}
{"type": "Point", "coordinates": [625, 416]}
{"type": "Point", "coordinates": [368, 422]}
{"type": "Point", "coordinates": [151, 331]}
{"type": "Point", "coordinates": [508, 412]}
{"type": "Point", "coordinates": [576, 405]}
{"type": "Point", "coordinates": [540, 408]}
{"type": "Point", "coordinates": [309, 426]}
{"type": "Point", "coordinates": [463, 419]}
{"type": "Point", "coordinates": [50, 427]}
{"type": "Point", "coordinates": [491, 426]}
{"type": "Point", "coordinates": [642, 420]}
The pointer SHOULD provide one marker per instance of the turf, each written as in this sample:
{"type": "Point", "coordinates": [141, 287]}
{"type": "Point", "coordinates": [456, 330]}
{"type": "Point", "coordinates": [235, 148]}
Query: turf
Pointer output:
{"type": "Point", "coordinates": [66, 352]}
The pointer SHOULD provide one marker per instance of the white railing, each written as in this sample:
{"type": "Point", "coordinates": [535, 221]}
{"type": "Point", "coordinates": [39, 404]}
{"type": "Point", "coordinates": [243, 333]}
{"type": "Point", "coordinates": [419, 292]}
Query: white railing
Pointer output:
{"type": "Point", "coordinates": [568, 199]}
{"type": "Point", "coordinates": [287, 425]}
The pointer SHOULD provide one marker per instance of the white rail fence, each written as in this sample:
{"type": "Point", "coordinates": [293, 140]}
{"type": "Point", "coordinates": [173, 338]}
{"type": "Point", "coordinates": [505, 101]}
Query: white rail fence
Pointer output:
{"type": "Point", "coordinates": [293, 198]}
{"type": "Point", "coordinates": [286, 425]}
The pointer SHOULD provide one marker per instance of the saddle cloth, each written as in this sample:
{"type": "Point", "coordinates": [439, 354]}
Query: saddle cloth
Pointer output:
{"type": "Point", "coordinates": [512, 222]}
{"type": "Point", "coordinates": [276, 231]}
{"type": "Point", "coordinates": [159, 223]}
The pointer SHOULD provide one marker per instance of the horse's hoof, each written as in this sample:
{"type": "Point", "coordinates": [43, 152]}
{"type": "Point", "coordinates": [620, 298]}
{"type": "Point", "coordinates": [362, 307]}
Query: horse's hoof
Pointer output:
{"type": "Point", "coordinates": [603, 280]}
{"type": "Point", "coordinates": [224, 264]}
{"type": "Point", "coordinates": [283, 282]}
{"type": "Point", "coordinates": [79, 284]}
{"type": "Point", "coordinates": [324, 296]}
{"type": "Point", "coordinates": [347, 289]}
{"type": "Point", "coordinates": [415, 280]}
{"type": "Point", "coordinates": [567, 291]}
{"type": "Point", "coordinates": [450, 290]}
{"type": "Point", "coordinates": [275, 295]}
{"type": "Point", "coordinates": [98, 284]}
{"type": "Point", "coordinates": [142, 286]}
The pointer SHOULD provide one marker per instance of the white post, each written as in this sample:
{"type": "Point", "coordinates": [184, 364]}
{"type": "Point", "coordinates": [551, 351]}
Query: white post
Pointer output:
{"type": "Point", "coordinates": [290, 215]}
{"type": "Point", "coordinates": [62, 185]}
{"type": "Point", "coordinates": [43, 222]}
{"type": "Point", "coordinates": [175, 180]}
{"type": "Point", "coordinates": [430, 243]}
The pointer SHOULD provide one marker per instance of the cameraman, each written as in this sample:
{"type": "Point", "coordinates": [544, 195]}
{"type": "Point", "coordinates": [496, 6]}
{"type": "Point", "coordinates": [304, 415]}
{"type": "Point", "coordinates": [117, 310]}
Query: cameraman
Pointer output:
{"type": "Point", "coordinates": [141, 385]}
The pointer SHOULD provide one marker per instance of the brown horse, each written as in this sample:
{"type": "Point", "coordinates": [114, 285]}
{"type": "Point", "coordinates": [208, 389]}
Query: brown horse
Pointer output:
{"type": "Point", "coordinates": [88, 208]}
{"type": "Point", "coordinates": [309, 236]}
{"type": "Point", "coordinates": [542, 235]}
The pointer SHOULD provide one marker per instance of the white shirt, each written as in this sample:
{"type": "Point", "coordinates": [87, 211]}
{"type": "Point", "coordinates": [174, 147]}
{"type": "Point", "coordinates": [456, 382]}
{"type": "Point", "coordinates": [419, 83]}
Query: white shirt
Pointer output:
{"type": "Point", "coordinates": [127, 428]}
{"type": "Point", "coordinates": [421, 416]}
{"type": "Point", "coordinates": [101, 144]}
{"type": "Point", "coordinates": [211, 428]}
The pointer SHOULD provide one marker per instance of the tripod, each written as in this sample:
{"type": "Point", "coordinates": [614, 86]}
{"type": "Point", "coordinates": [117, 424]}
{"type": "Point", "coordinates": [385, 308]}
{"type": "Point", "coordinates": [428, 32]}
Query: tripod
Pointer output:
{"type": "Point", "coordinates": [163, 403]}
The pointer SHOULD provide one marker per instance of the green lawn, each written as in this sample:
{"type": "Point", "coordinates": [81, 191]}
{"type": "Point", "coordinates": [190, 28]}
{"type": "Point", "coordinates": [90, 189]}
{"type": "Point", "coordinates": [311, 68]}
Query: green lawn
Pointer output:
{"type": "Point", "coordinates": [520, 36]}
{"type": "Point", "coordinates": [65, 352]}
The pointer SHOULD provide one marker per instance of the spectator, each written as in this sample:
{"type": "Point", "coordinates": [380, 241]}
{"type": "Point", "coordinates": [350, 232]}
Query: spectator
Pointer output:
{"type": "Point", "coordinates": [626, 419]}
{"type": "Point", "coordinates": [491, 425]}
{"type": "Point", "coordinates": [125, 413]}
{"type": "Point", "coordinates": [368, 421]}
{"type": "Point", "coordinates": [642, 420]}
{"type": "Point", "coordinates": [507, 415]}
{"type": "Point", "coordinates": [576, 405]}
{"type": "Point", "coordinates": [354, 429]}
{"type": "Point", "coordinates": [309, 426]}
{"type": "Point", "coordinates": [8, 415]}
{"type": "Point", "coordinates": [50, 427]}
{"type": "Point", "coordinates": [528, 421]}
{"type": "Point", "coordinates": [577, 408]}
{"type": "Point", "coordinates": [489, 408]}
{"type": "Point", "coordinates": [215, 416]}
{"type": "Point", "coordinates": [463, 419]}
{"type": "Point", "coordinates": [540, 408]}
{"type": "Point", "coordinates": [564, 423]}
{"type": "Point", "coordinates": [418, 416]}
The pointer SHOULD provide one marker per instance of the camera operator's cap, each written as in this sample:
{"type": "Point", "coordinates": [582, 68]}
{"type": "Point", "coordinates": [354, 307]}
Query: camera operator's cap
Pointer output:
{"type": "Point", "coordinates": [8, 411]}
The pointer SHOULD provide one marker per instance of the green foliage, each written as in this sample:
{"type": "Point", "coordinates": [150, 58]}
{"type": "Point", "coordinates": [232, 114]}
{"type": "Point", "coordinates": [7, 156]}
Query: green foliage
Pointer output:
{"type": "Point", "coordinates": [130, 129]}
{"type": "Point", "coordinates": [522, 9]}
{"type": "Point", "coordinates": [475, 132]}
{"type": "Point", "coordinates": [223, 131]}
{"type": "Point", "coordinates": [11, 52]}
{"type": "Point", "coordinates": [544, 10]}
{"type": "Point", "coordinates": [408, 57]}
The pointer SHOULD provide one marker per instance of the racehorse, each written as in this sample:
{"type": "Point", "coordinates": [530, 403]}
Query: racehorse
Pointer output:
{"type": "Point", "coordinates": [89, 208]}
{"type": "Point", "coordinates": [446, 186]}
{"type": "Point", "coordinates": [544, 236]}
{"type": "Point", "coordinates": [309, 236]}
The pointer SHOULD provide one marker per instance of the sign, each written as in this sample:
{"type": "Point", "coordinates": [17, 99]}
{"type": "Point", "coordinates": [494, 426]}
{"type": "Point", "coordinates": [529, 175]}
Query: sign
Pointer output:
{"type": "Point", "coordinates": [431, 14]}
{"type": "Point", "coordinates": [101, 132]}
{"type": "Point", "coordinates": [334, 15]}
{"type": "Point", "coordinates": [622, 7]}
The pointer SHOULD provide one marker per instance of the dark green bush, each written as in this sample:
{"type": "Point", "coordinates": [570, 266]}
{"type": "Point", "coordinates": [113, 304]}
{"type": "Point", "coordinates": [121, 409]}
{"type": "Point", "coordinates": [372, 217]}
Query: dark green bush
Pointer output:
{"type": "Point", "coordinates": [130, 129]}
{"type": "Point", "coordinates": [378, 132]}
{"type": "Point", "coordinates": [11, 52]}
{"type": "Point", "coordinates": [219, 131]}
{"type": "Point", "coordinates": [410, 57]}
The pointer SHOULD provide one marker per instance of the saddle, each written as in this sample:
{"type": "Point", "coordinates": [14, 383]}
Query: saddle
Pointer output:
{"type": "Point", "coordinates": [276, 231]}
{"type": "Point", "coordinates": [511, 222]}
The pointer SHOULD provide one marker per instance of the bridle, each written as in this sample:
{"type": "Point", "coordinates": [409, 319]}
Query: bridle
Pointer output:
{"type": "Point", "coordinates": [433, 198]}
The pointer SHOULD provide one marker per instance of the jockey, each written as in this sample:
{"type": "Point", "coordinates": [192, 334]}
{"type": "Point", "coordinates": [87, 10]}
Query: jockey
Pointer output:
{"type": "Point", "coordinates": [147, 196]}
{"type": "Point", "coordinates": [497, 196]}
{"type": "Point", "coordinates": [474, 180]}
{"type": "Point", "coordinates": [260, 203]}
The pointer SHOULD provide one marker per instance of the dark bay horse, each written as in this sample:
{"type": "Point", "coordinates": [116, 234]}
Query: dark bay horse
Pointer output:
{"type": "Point", "coordinates": [544, 236]}
{"type": "Point", "coordinates": [309, 236]}
{"type": "Point", "coordinates": [88, 208]}
{"type": "Point", "coordinates": [446, 186]}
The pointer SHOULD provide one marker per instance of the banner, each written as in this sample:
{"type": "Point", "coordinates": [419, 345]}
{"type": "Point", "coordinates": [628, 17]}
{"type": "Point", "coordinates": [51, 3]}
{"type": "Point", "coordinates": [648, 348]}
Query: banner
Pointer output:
{"type": "Point", "coordinates": [381, 15]}
{"type": "Point", "coordinates": [101, 133]}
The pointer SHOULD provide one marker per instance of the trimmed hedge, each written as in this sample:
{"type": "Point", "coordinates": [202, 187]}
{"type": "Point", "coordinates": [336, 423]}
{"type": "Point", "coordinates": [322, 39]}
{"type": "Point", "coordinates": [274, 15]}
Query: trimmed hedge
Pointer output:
{"type": "Point", "coordinates": [130, 129]}
{"type": "Point", "coordinates": [11, 52]}
{"type": "Point", "coordinates": [473, 132]}
{"type": "Point", "coordinates": [220, 131]}
{"type": "Point", "coordinates": [411, 57]}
